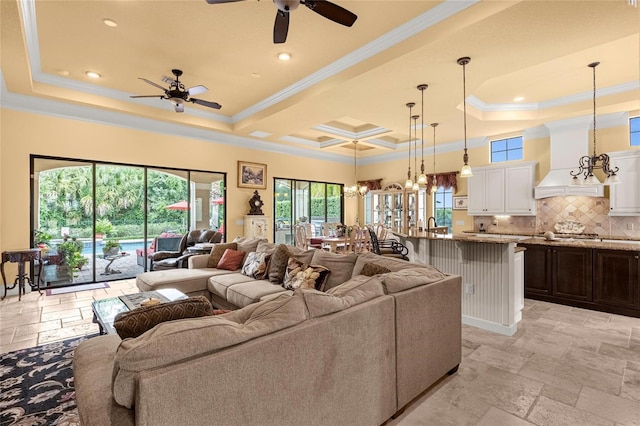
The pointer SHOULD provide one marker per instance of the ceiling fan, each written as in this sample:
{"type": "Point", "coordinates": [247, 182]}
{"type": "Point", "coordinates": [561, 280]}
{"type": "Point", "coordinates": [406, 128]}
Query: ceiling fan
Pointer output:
{"type": "Point", "coordinates": [322, 7]}
{"type": "Point", "coordinates": [177, 94]}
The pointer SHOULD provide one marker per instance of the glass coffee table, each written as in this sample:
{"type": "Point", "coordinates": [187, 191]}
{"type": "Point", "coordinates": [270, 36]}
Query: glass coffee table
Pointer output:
{"type": "Point", "coordinates": [105, 310]}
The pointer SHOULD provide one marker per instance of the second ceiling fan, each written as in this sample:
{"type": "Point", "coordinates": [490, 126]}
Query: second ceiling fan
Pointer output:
{"type": "Point", "coordinates": [322, 7]}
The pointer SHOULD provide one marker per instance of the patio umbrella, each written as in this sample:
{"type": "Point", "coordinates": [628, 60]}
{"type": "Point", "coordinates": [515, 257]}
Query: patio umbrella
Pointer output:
{"type": "Point", "coordinates": [180, 205]}
{"type": "Point", "coordinates": [218, 200]}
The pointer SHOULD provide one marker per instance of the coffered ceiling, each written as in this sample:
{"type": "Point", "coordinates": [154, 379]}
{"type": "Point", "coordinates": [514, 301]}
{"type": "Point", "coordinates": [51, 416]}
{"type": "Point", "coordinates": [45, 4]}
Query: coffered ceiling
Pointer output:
{"type": "Point", "coordinates": [341, 83]}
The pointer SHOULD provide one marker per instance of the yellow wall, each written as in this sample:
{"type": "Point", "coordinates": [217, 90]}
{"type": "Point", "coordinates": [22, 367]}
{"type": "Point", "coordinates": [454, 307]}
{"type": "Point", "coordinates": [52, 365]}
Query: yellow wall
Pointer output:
{"type": "Point", "coordinates": [23, 134]}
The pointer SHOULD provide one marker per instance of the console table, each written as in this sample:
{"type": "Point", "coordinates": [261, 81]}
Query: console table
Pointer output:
{"type": "Point", "coordinates": [21, 257]}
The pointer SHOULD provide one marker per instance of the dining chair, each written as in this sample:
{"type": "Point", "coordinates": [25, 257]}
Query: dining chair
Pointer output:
{"type": "Point", "coordinates": [301, 237]}
{"type": "Point", "coordinates": [360, 241]}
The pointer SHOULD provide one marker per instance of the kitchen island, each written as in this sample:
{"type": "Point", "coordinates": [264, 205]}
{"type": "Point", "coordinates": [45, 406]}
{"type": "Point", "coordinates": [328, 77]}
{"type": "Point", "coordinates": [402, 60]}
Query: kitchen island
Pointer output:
{"type": "Point", "coordinates": [492, 274]}
{"type": "Point", "coordinates": [596, 274]}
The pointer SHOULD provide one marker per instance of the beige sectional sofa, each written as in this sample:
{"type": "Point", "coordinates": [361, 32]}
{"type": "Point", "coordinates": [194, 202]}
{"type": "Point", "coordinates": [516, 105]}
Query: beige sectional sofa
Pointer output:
{"type": "Point", "coordinates": [352, 355]}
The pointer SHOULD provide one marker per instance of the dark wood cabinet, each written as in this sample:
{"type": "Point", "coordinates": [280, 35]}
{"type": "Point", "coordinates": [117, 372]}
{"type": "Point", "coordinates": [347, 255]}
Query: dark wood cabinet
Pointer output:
{"type": "Point", "coordinates": [599, 279]}
{"type": "Point", "coordinates": [537, 270]}
{"type": "Point", "coordinates": [616, 278]}
{"type": "Point", "coordinates": [572, 273]}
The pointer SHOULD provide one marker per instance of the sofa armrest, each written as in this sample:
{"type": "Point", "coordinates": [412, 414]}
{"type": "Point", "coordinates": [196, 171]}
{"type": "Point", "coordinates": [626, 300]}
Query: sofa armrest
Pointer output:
{"type": "Point", "coordinates": [198, 261]}
{"type": "Point", "coordinates": [161, 255]}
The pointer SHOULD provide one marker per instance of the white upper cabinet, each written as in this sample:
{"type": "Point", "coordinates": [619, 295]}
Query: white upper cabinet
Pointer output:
{"type": "Point", "coordinates": [508, 190]}
{"type": "Point", "coordinates": [625, 196]}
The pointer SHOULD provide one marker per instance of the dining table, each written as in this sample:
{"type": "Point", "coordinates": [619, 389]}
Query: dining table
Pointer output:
{"type": "Point", "coordinates": [336, 244]}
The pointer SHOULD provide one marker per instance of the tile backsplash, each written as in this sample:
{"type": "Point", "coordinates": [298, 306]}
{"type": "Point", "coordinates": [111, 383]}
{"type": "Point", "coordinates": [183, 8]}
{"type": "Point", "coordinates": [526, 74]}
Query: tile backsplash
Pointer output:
{"type": "Point", "coordinates": [593, 212]}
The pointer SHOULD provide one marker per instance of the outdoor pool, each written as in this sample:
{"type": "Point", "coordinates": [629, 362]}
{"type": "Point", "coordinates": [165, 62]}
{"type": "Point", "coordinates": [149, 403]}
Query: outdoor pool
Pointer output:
{"type": "Point", "coordinates": [127, 246]}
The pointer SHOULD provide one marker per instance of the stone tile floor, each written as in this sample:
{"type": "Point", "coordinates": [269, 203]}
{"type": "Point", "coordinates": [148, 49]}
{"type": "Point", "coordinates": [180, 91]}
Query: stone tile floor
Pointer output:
{"type": "Point", "coordinates": [564, 366]}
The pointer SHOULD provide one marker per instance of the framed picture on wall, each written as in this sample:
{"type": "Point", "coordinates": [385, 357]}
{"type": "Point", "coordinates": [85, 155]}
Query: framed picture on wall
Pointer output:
{"type": "Point", "coordinates": [252, 175]}
{"type": "Point", "coordinates": [460, 203]}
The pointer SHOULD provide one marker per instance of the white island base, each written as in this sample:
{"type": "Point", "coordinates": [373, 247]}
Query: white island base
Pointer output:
{"type": "Point", "coordinates": [492, 275]}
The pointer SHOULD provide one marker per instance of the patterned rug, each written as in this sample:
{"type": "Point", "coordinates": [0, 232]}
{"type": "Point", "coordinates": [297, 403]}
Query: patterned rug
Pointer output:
{"type": "Point", "coordinates": [36, 385]}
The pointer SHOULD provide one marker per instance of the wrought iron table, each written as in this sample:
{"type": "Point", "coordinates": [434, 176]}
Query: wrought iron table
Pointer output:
{"type": "Point", "coordinates": [20, 257]}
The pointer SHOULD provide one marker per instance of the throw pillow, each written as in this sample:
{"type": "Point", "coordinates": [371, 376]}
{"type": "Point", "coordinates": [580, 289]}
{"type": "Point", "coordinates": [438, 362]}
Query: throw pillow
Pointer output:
{"type": "Point", "coordinates": [256, 265]}
{"type": "Point", "coordinates": [301, 275]}
{"type": "Point", "coordinates": [135, 322]}
{"type": "Point", "coordinates": [217, 252]}
{"type": "Point", "coordinates": [231, 260]}
{"type": "Point", "coordinates": [247, 245]}
{"type": "Point", "coordinates": [278, 264]}
{"type": "Point", "coordinates": [371, 269]}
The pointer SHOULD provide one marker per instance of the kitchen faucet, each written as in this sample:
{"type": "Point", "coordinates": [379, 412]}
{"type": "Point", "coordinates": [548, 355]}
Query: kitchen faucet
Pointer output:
{"type": "Point", "coordinates": [435, 225]}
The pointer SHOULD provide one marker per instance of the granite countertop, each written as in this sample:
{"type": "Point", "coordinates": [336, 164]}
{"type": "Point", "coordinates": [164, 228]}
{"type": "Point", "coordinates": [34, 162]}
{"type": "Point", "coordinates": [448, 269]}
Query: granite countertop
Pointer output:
{"type": "Point", "coordinates": [537, 234]}
{"type": "Point", "coordinates": [596, 243]}
{"type": "Point", "coordinates": [459, 237]}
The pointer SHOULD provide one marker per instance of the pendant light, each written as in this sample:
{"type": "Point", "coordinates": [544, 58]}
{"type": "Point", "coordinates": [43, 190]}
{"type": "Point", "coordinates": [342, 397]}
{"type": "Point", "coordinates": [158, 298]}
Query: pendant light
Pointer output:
{"type": "Point", "coordinates": [408, 184]}
{"type": "Point", "coordinates": [586, 164]}
{"type": "Point", "coordinates": [355, 189]}
{"type": "Point", "coordinates": [434, 183]}
{"type": "Point", "coordinates": [416, 185]}
{"type": "Point", "coordinates": [466, 169]}
{"type": "Point", "coordinates": [422, 179]}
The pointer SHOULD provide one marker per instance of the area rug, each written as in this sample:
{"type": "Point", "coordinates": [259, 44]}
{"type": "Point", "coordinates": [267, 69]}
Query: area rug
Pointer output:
{"type": "Point", "coordinates": [36, 385]}
{"type": "Point", "coordinates": [74, 288]}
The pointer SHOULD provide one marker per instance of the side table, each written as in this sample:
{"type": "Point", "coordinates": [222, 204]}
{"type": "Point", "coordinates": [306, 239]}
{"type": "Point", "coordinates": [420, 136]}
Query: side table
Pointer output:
{"type": "Point", "coordinates": [21, 257]}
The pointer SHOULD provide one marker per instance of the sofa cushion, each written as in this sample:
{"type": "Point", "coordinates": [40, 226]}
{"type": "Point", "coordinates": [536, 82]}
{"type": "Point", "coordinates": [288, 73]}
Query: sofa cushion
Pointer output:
{"type": "Point", "coordinates": [405, 279]}
{"type": "Point", "coordinates": [248, 292]}
{"type": "Point", "coordinates": [393, 264]}
{"type": "Point", "coordinates": [340, 265]}
{"type": "Point", "coordinates": [256, 265]}
{"type": "Point", "coordinates": [185, 280]}
{"type": "Point", "coordinates": [231, 260]}
{"type": "Point", "coordinates": [266, 247]}
{"type": "Point", "coordinates": [301, 275]}
{"type": "Point", "coordinates": [371, 269]}
{"type": "Point", "coordinates": [135, 322]}
{"type": "Point", "coordinates": [219, 284]}
{"type": "Point", "coordinates": [173, 341]}
{"type": "Point", "coordinates": [248, 245]}
{"type": "Point", "coordinates": [353, 292]}
{"type": "Point", "coordinates": [217, 252]}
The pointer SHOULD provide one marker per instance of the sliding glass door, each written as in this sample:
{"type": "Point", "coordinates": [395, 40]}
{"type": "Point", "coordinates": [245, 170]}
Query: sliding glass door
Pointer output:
{"type": "Point", "coordinates": [100, 222]}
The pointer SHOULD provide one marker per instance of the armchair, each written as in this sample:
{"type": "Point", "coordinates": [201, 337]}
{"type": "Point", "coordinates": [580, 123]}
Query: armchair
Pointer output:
{"type": "Point", "coordinates": [178, 258]}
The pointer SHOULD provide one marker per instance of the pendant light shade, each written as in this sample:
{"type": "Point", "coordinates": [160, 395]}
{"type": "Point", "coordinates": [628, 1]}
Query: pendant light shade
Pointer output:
{"type": "Point", "coordinates": [408, 184]}
{"type": "Point", "coordinates": [416, 185]}
{"type": "Point", "coordinates": [434, 183]}
{"type": "Point", "coordinates": [466, 169]}
{"type": "Point", "coordinates": [587, 164]}
{"type": "Point", "coordinates": [422, 178]}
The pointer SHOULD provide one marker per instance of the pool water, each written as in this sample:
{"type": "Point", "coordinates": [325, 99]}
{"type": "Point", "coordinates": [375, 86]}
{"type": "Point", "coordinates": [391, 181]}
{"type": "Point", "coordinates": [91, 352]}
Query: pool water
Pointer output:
{"type": "Point", "coordinates": [127, 246]}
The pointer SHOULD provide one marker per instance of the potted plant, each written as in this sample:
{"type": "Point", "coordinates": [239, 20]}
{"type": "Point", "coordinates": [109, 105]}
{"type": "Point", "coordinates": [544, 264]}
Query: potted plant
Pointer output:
{"type": "Point", "coordinates": [111, 248]}
{"type": "Point", "coordinates": [41, 240]}
{"type": "Point", "coordinates": [70, 250]}
{"type": "Point", "coordinates": [103, 227]}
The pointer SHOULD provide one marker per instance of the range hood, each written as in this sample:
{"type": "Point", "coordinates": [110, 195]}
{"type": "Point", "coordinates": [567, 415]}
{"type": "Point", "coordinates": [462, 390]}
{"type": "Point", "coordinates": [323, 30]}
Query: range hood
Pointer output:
{"type": "Point", "coordinates": [569, 140]}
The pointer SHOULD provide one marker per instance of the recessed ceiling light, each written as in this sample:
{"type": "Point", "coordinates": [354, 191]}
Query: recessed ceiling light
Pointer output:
{"type": "Point", "coordinates": [110, 22]}
{"type": "Point", "coordinates": [63, 73]}
{"type": "Point", "coordinates": [255, 75]}
{"type": "Point", "coordinates": [284, 56]}
{"type": "Point", "coordinates": [518, 99]}
{"type": "Point", "coordinates": [92, 74]}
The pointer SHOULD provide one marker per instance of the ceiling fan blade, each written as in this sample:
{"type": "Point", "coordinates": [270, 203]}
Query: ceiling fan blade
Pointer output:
{"type": "Point", "coordinates": [221, 1]}
{"type": "Point", "coordinates": [153, 84]}
{"type": "Point", "coordinates": [147, 96]}
{"type": "Point", "coordinates": [196, 90]}
{"type": "Point", "coordinates": [179, 107]}
{"type": "Point", "coordinates": [331, 11]}
{"type": "Point", "coordinates": [281, 27]}
{"type": "Point", "coordinates": [206, 103]}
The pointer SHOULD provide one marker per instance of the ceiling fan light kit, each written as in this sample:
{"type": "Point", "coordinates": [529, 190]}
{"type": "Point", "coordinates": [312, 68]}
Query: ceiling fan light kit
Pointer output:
{"type": "Point", "coordinates": [177, 93]}
{"type": "Point", "coordinates": [324, 8]}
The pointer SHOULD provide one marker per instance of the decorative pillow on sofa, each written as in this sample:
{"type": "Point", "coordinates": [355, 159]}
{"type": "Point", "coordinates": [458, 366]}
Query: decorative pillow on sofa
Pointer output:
{"type": "Point", "coordinates": [371, 269]}
{"type": "Point", "coordinates": [248, 245]}
{"type": "Point", "coordinates": [217, 252]}
{"type": "Point", "coordinates": [231, 260]}
{"type": "Point", "coordinates": [278, 264]}
{"type": "Point", "coordinates": [256, 265]}
{"type": "Point", "coordinates": [301, 275]}
{"type": "Point", "coordinates": [135, 322]}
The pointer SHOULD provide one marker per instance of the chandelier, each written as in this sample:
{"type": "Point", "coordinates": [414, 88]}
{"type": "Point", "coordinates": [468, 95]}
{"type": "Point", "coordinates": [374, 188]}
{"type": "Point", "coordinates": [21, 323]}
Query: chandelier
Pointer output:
{"type": "Point", "coordinates": [408, 184]}
{"type": "Point", "coordinates": [587, 164]}
{"type": "Point", "coordinates": [422, 179]}
{"type": "Point", "coordinates": [355, 189]}
{"type": "Point", "coordinates": [466, 169]}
